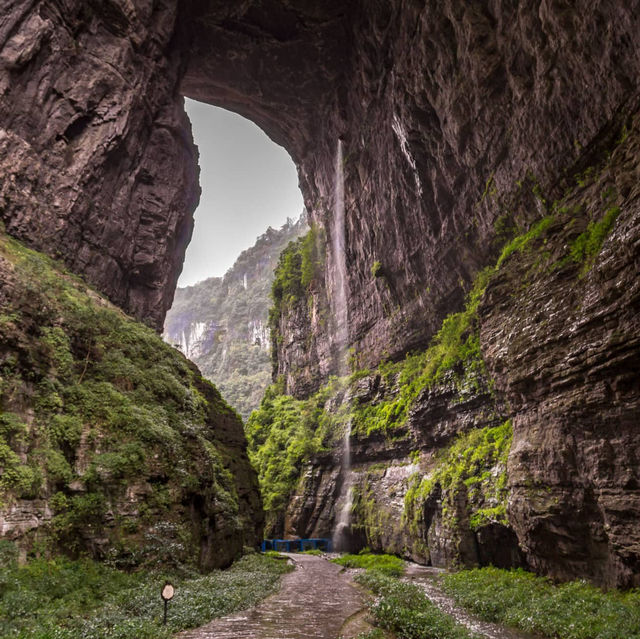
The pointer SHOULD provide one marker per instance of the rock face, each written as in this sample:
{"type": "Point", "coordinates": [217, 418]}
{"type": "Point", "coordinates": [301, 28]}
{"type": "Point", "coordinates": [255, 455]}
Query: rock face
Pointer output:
{"type": "Point", "coordinates": [558, 332]}
{"type": "Point", "coordinates": [97, 162]}
{"type": "Point", "coordinates": [385, 466]}
{"type": "Point", "coordinates": [562, 342]}
{"type": "Point", "coordinates": [459, 122]}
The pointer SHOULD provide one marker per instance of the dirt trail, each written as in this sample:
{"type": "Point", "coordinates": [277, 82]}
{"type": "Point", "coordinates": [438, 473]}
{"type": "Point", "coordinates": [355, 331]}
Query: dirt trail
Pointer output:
{"type": "Point", "coordinates": [313, 603]}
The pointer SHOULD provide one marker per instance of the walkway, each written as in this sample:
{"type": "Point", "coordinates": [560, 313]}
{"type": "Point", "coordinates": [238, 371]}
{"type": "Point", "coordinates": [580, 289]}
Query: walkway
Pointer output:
{"type": "Point", "coordinates": [425, 577]}
{"type": "Point", "coordinates": [313, 603]}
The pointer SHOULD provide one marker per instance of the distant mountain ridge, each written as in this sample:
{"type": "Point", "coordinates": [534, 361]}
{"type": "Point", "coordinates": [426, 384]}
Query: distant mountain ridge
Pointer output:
{"type": "Point", "coordinates": [221, 322]}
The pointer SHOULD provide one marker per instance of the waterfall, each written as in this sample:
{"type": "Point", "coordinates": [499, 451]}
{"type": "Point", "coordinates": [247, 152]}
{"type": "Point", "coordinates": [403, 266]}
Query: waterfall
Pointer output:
{"type": "Point", "coordinates": [340, 537]}
{"type": "Point", "coordinates": [339, 299]}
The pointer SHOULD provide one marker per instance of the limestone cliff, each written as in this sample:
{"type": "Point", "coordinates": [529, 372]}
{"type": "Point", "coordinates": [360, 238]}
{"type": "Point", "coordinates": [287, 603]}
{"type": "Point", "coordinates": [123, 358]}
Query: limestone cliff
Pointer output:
{"type": "Point", "coordinates": [462, 124]}
{"type": "Point", "coordinates": [221, 324]}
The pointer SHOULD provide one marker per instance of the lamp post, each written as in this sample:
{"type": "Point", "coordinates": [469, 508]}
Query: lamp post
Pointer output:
{"type": "Point", "coordinates": [166, 593]}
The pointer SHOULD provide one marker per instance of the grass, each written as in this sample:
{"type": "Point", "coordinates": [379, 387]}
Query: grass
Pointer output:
{"type": "Point", "coordinates": [389, 565]}
{"type": "Point", "coordinates": [83, 599]}
{"type": "Point", "coordinates": [574, 610]}
{"type": "Point", "coordinates": [376, 633]}
{"type": "Point", "coordinates": [405, 610]}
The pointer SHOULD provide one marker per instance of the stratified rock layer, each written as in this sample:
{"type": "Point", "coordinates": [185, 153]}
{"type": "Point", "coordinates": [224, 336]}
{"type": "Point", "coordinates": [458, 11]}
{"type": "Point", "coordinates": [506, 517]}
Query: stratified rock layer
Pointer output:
{"type": "Point", "coordinates": [562, 341]}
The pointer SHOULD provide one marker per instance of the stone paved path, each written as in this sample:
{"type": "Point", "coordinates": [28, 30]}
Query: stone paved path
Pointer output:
{"type": "Point", "coordinates": [424, 577]}
{"type": "Point", "coordinates": [313, 603]}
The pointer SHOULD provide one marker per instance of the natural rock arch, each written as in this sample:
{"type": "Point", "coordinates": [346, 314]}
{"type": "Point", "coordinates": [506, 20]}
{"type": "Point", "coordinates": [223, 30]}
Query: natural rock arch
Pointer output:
{"type": "Point", "coordinates": [445, 108]}
{"type": "Point", "coordinates": [435, 100]}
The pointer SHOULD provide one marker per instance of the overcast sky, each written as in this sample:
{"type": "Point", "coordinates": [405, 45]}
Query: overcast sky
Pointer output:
{"type": "Point", "coordinates": [248, 183]}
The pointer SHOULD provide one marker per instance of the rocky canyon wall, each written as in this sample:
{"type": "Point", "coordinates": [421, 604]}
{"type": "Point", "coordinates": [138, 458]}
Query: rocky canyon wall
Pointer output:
{"type": "Point", "coordinates": [98, 166]}
{"type": "Point", "coordinates": [464, 126]}
{"type": "Point", "coordinates": [511, 439]}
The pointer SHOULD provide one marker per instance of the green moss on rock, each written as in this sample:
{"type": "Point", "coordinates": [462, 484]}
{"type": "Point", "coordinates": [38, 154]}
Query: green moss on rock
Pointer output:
{"type": "Point", "coordinates": [113, 428]}
{"type": "Point", "coordinates": [476, 462]}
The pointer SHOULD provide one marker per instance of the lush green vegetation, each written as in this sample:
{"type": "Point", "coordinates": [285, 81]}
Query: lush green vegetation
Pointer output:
{"type": "Point", "coordinates": [521, 241]}
{"type": "Point", "coordinates": [235, 352]}
{"type": "Point", "coordinates": [404, 609]}
{"type": "Point", "coordinates": [376, 633]}
{"type": "Point", "coordinates": [64, 599]}
{"type": "Point", "coordinates": [573, 610]}
{"type": "Point", "coordinates": [283, 434]}
{"type": "Point", "coordinates": [92, 403]}
{"type": "Point", "coordinates": [386, 564]}
{"type": "Point", "coordinates": [300, 264]}
{"type": "Point", "coordinates": [477, 462]}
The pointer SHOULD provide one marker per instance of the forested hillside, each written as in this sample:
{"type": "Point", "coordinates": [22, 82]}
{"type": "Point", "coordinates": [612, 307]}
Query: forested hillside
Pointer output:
{"type": "Point", "coordinates": [221, 323]}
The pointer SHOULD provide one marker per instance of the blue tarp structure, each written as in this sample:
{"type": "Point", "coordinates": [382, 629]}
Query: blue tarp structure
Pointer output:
{"type": "Point", "coordinates": [296, 545]}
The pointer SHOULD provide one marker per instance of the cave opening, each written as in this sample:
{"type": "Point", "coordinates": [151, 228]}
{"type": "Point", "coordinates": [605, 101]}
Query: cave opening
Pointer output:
{"type": "Point", "coordinates": [248, 182]}
{"type": "Point", "coordinates": [250, 209]}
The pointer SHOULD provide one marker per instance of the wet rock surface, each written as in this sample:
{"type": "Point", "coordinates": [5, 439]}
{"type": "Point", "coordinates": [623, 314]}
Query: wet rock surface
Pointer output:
{"type": "Point", "coordinates": [314, 602]}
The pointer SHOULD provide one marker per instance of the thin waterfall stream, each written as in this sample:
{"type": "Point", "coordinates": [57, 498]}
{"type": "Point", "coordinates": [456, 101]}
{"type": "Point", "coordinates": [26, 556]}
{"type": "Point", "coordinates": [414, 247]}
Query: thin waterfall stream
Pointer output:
{"type": "Point", "coordinates": [339, 298]}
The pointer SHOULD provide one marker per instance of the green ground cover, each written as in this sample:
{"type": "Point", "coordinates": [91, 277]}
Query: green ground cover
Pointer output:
{"type": "Point", "coordinates": [83, 599]}
{"type": "Point", "coordinates": [405, 610]}
{"type": "Point", "coordinates": [574, 610]}
{"type": "Point", "coordinates": [389, 565]}
{"type": "Point", "coordinates": [92, 402]}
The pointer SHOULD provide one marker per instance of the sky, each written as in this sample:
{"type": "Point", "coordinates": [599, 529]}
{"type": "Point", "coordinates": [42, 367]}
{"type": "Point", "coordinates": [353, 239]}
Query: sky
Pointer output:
{"type": "Point", "coordinates": [248, 184]}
